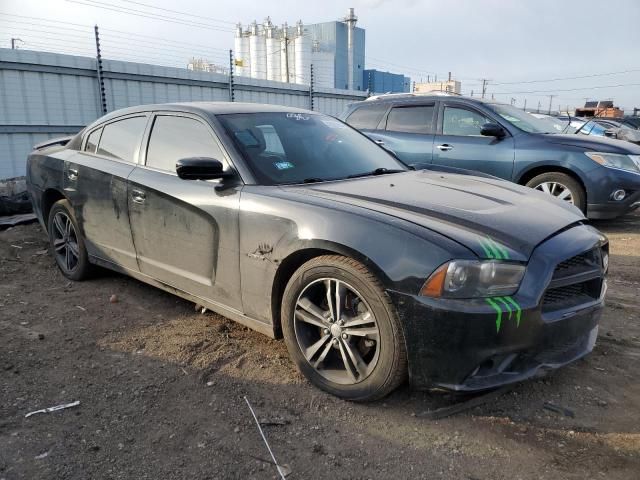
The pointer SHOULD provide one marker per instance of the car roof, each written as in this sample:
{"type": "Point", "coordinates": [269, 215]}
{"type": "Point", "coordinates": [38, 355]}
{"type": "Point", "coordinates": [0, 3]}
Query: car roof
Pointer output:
{"type": "Point", "coordinates": [421, 97]}
{"type": "Point", "coordinates": [205, 108]}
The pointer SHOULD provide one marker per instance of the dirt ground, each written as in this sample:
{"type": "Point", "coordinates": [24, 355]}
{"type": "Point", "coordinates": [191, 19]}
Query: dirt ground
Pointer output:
{"type": "Point", "coordinates": [161, 392]}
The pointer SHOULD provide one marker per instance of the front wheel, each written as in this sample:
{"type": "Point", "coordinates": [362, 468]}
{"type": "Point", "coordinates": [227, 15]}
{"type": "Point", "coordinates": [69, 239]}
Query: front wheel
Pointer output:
{"type": "Point", "coordinates": [341, 329]}
{"type": "Point", "coordinates": [561, 186]}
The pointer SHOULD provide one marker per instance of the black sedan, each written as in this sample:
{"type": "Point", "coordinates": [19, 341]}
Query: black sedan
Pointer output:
{"type": "Point", "coordinates": [296, 225]}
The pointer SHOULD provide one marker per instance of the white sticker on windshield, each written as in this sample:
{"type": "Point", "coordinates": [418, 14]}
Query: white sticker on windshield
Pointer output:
{"type": "Point", "coordinates": [334, 124]}
{"type": "Point", "coordinates": [297, 116]}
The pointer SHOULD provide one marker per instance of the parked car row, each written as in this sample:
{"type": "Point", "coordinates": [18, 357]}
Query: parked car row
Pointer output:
{"type": "Point", "coordinates": [296, 225]}
{"type": "Point", "coordinates": [598, 175]}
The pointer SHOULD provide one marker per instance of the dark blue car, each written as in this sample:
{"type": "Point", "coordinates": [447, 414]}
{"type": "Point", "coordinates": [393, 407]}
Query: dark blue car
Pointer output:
{"type": "Point", "coordinates": [598, 175]}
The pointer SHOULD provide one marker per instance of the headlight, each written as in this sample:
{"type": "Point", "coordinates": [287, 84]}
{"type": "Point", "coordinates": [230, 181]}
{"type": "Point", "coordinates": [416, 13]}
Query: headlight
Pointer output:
{"type": "Point", "coordinates": [473, 278]}
{"type": "Point", "coordinates": [616, 160]}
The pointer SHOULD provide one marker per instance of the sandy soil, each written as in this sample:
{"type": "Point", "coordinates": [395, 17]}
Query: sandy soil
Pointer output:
{"type": "Point", "coordinates": [161, 390]}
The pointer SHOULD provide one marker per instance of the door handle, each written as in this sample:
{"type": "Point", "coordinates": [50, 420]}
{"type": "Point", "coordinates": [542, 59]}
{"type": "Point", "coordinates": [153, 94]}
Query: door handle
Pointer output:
{"type": "Point", "coordinates": [72, 174]}
{"type": "Point", "coordinates": [138, 196]}
{"type": "Point", "coordinates": [445, 147]}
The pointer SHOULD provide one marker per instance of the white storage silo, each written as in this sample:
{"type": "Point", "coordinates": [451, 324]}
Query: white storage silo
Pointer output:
{"type": "Point", "coordinates": [242, 53]}
{"type": "Point", "coordinates": [273, 47]}
{"type": "Point", "coordinates": [257, 47]}
{"type": "Point", "coordinates": [302, 55]}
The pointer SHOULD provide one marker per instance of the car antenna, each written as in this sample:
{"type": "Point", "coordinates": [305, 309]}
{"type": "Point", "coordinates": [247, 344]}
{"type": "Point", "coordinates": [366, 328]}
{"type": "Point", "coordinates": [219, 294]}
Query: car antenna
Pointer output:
{"type": "Point", "coordinates": [568, 124]}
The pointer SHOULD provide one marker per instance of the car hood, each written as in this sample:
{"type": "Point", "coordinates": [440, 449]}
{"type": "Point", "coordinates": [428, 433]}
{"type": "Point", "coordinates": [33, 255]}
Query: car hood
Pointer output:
{"type": "Point", "coordinates": [593, 143]}
{"type": "Point", "coordinates": [491, 217]}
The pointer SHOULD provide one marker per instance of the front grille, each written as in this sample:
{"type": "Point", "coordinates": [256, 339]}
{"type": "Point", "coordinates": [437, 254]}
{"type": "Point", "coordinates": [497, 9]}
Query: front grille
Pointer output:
{"type": "Point", "coordinates": [585, 270]}
{"type": "Point", "coordinates": [584, 262]}
{"type": "Point", "coordinates": [571, 295]}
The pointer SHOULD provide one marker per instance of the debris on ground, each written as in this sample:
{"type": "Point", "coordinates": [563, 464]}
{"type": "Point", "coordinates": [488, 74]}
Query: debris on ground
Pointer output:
{"type": "Point", "coordinates": [456, 408]}
{"type": "Point", "coordinates": [567, 412]}
{"type": "Point", "coordinates": [54, 409]}
{"type": "Point", "coordinates": [13, 220]}
{"type": "Point", "coordinates": [280, 469]}
{"type": "Point", "coordinates": [113, 298]}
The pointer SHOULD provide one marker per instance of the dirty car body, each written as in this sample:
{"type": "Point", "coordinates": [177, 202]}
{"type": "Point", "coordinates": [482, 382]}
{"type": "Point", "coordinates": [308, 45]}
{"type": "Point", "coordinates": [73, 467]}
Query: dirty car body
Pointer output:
{"type": "Point", "coordinates": [232, 244]}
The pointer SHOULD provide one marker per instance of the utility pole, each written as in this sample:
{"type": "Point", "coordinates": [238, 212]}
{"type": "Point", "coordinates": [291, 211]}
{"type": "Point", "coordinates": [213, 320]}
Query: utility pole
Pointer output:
{"type": "Point", "coordinates": [538, 106]}
{"type": "Point", "coordinates": [550, 101]}
{"type": "Point", "coordinates": [285, 30]}
{"type": "Point", "coordinates": [485, 81]}
{"type": "Point", "coordinates": [13, 43]}
{"type": "Point", "coordinates": [103, 97]}
{"type": "Point", "coordinates": [311, 89]}
{"type": "Point", "coordinates": [525, 105]}
{"type": "Point", "coordinates": [231, 93]}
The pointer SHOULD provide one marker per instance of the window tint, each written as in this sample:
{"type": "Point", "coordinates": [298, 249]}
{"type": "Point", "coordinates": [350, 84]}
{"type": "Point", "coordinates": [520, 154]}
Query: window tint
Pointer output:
{"type": "Point", "coordinates": [121, 139]}
{"type": "Point", "coordinates": [460, 121]}
{"type": "Point", "coordinates": [92, 141]}
{"type": "Point", "coordinates": [173, 138]}
{"type": "Point", "coordinates": [367, 116]}
{"type": "Point", "coordinates": [283, 148]}
{"type": "Point", "coordinates": [411, 119]}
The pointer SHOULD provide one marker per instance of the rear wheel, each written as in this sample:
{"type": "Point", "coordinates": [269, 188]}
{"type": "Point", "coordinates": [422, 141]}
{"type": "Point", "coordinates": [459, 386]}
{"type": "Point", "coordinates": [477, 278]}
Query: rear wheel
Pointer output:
{"type": "Point", "coordinates": [561, 186]}
{"type": "Point", "coordinates": [67, 244]}
{"type": "Point", "coordinates": [341, 329]}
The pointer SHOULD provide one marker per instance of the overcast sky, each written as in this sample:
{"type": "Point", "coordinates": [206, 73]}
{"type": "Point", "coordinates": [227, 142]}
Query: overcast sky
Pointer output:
{"type": "Point", "coordinates": [504, 41]}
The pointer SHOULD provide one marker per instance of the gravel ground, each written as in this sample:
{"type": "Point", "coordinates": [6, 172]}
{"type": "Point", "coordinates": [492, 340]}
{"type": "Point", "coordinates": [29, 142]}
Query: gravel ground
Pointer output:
{"type": "Point", "coordinates": [161, 392]}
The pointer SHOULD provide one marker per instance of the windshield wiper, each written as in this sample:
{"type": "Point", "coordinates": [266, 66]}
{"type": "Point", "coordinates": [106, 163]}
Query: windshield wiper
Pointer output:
{"type": "Point", "coordinates": [313, 180]}
{"type": "Point", "coordinates": [377, 171]}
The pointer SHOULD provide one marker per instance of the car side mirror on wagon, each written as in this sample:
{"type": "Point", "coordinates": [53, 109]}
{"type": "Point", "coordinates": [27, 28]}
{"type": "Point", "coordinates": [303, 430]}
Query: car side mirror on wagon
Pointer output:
{"type": "Point", "coordinates": [492, 130]}
{"type": "Point", "coordinates": [201, 168]}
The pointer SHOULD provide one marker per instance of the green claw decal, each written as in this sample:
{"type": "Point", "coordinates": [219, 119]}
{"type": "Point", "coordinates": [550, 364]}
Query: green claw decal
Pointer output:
{"type": "Point", "coordinates": [494, 250]}
{"type": "Point", "coordinates": [498, 311]}
{"type": "Point", "coordinates": [509, 304]}
{"type": "Point", "coordinates": [517, 307]}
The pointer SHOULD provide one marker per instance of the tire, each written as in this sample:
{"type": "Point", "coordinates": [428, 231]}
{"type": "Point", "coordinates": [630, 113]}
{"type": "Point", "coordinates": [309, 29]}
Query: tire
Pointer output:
{"type": "Point", "coordinates": [374, 340]}
{"type": "Point", "coordinates": [66, 242]}
{"type": "Point", "coordinates": [562, 181]}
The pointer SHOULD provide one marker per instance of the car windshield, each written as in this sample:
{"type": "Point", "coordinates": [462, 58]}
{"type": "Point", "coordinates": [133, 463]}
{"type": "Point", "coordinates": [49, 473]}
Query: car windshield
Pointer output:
{"type": "Point", "coordinates": [525, 121]}
{"type": "Point", "coordinates": [282, 148]}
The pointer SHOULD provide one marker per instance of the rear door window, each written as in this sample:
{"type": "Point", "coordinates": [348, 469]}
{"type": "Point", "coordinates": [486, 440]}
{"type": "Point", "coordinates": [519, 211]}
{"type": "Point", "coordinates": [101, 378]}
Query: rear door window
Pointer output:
{"type": "Point", "coordinates": [418, 119]}
{"type": "Point", "coordinates": [174, 137]}
{"type": "Point", "coordinates": [367, 117]}
{"type": "Point", "coordinates": [121, 139]}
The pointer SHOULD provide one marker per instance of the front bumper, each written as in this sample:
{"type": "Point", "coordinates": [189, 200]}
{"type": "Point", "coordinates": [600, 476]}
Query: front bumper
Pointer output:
{"type": "Point", "coordinates": [600, 204]}
{"type": "Point", "coordinates": [466, 345]}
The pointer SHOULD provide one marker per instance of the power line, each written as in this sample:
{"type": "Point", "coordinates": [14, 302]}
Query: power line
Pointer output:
{"type": "Point", "coordinates": [179, 12]}
{"type": "Point", "coordinates": [153, 16]}
{"type": "Point", "coordinates": [43, 19]}
{"type": "Point", "coordinates": [569, 78]}
{"type": "Point", "coordinates": [570, 89]}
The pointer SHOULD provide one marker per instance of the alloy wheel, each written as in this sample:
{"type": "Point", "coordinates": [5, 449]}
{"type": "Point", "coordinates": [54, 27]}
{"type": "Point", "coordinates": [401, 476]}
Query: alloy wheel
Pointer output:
{"type": "Point", "coordinates": [556, 189]}
{"type": "Point", "coordinates": [65, 242]}
{"type": "Point", "coordinates": [336, 331]}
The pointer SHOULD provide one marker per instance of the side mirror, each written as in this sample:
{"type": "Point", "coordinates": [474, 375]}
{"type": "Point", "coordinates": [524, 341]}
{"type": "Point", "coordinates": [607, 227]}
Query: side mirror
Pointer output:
{"type": "Point", "coordinates": [201, 168]}
{"type": "Point", "coordinates": [492, 130]}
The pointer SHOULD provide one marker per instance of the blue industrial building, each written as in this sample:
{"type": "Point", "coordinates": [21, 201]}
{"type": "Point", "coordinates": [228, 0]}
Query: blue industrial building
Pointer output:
{"type": "Point", "coordinates": [385, 82]}
{"type": "Point", "coordinates": [345, 42]}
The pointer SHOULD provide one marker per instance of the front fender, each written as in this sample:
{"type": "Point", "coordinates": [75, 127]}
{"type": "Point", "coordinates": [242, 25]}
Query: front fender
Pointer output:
{"type": "Point", "coordinates": [274, 229]}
